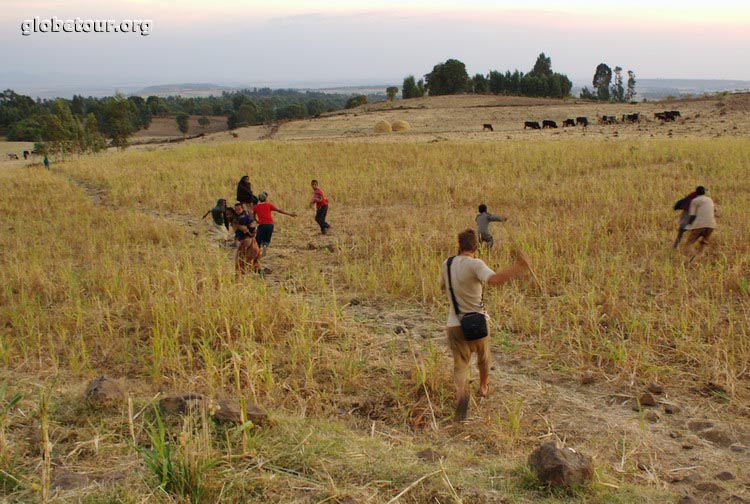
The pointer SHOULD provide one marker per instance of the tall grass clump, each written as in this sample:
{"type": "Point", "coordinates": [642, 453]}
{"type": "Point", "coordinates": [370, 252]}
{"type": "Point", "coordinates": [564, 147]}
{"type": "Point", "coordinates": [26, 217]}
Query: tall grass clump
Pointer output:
{"type": "Point", "coordinates": [181, 467]}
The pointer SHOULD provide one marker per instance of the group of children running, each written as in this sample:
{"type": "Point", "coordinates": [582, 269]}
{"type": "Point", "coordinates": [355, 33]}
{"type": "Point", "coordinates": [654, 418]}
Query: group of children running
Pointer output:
{"type": "Point", "coordinates": [249, 223]}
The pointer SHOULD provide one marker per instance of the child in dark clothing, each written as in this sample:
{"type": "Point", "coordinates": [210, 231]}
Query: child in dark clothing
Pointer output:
{"type": "Point", "coordinates": [220, 224]}
{"type": "Point", "coordinates": [483, 225]}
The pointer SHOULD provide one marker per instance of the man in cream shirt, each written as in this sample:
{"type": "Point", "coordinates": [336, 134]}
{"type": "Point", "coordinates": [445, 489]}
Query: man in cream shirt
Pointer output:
{"type": "Point", "coordinates": [702, 221]}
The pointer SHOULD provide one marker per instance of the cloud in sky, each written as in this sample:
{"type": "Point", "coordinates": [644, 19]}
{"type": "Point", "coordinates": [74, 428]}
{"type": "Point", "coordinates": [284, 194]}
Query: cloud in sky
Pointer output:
{"type": "Point", "coordinates": [235, 41]}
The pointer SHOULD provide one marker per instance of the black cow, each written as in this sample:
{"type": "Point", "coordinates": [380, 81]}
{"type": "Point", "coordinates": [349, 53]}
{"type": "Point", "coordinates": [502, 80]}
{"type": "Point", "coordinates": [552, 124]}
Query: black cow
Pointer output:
{"type": "Point", "coordinates": [569, 122]}
{"type": "Point", "coordinates": [608, 120]}
{"type": "Point", "coordinates": [487, 126]}
{"type": "Point", "coordinates": [631, 118]}
{"type": "Point", "coordinates": [583, 121]}
{"type": "Point", "coordinates": [549, 124]}
{"type": "Point", "coordinates": [12, 156]}
{"type": "Point", "coordinates": [663, 116]}
{"type": "Point", "coordinates": [531, 124]}
{"type": "Point", "coordinates": [672, 114]}
{"type": "Point", "coordinates": [26, 154]}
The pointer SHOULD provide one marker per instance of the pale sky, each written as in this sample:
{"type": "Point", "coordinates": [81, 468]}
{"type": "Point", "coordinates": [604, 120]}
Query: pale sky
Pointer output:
{"type": "Point", "coordinates": [336, 41]}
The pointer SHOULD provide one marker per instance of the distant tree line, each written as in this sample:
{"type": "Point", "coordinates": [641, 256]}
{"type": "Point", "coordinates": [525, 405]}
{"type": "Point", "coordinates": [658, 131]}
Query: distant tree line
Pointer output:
{"type": "Point", "coordinates": [90, 124]}
{"type": "Point", "coordinates": [451, 77]}
{"type": "Point", "coordinates": [605, 90]}
{"type": "Point", "coordinates": [68, 126]}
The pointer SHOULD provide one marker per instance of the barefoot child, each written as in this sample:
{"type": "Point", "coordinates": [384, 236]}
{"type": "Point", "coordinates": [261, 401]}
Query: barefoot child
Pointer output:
{"type": "Point", "coordinates": [262, 213]}
{"type": "Point", "coordinates": [321, 203]}
{"type": "Point", "coordinates": [483, 225]}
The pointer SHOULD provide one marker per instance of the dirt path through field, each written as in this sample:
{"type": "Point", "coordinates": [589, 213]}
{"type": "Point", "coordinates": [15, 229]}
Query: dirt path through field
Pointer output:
{"type": "Point", "coordinates": [678, 442]}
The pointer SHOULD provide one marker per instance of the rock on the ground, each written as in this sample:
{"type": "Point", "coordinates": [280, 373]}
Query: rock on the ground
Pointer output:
{"type": "Point", "coordinates": [647, 399]}
{"type": "Point", "coordinates": [655, 388]}
{"type": "Point", "coordinates": [429, 455]}
{"type": "Point", "coordinates": [718, 437]}
{"type": "Point", "coordinates": [699, 425]}
{"type": "Point", "coordinates": [560, 466]}
{"type": "Point", "coordinates": [69, 481]}
{"type": "Point", "coordinates": [104, 392]}
{"type": "Point", "coordinates": [229, 411]}
{"type": "Point", "coordinates": [587, 378]}
{"type": "Point", "coordinates": [710, 488]}
{"type": "Point", "coordinates": [671, 409]}
{"type": "Point", "coordinates": [725, 476]}
{"type": "Point", "coordinates": [651, 416]}
{"type": "Point", "coordinates": [686, 499]}
{"type": "Point", "coordinates": [180, 403]}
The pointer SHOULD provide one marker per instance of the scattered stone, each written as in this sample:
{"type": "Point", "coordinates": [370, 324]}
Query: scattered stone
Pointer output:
{"type": "Point", "coordinates": [671, 409]}
{"type": "Point", "coordinates": [69, 481]}
{"type": "Point", "coordinates": [430, 455]}
{"type": "Point", "coordinates": [675, 435]}
{"type": "Point", "coordinates": [687, 446]}
{"type": "Point", "coordinates": [737, 448]}
{"type": "Point", "coordinates": [699, 425]}
{"type": "Point", "coordinates": [587, 378]}
{"type": "Point", "coordinates": [718, 437]}
{"type": "Point", "coordinates": [655, 388]}
{"type": "Point", "coordinates": [725, 476]}
{"type": "Point", "coordinates": [399, 330]}
{"type": "Point", "coordinates": [715, 389]}
{"type": "Point", "coordinates": [560, 467]}
{"type": "Point", "coordinates": [709, 488]}
{"type": "Point", "coordinates": [229, 411]}
{"type": "Point", "coordinates": [685, 478]}
{"type": "Point", "coordinates": [180, 403]}
{"type": "Point", "coordinates": [354, 302]}
{"type": "Point", "coordinates": [652, 416]}
{"type": "Point", "coordinates": [104, 392]}
{"type": "Point", "coordinates": [686, 499]}
{"type": "Point", "coordinates": [647, 400]}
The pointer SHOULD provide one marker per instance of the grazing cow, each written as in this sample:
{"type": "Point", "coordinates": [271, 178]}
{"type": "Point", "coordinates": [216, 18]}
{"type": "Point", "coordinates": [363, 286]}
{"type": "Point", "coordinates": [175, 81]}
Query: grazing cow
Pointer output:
{"type": "Point", "coordinates": [486, 127]}
{"type": "Point", "coordinates": [531, 124]}
{"type": "Point", "coordinates": [26, 154]}
{"type": "Point", "coordinates": [631, 118]}
{"type": "Point", "coordinates": [583, 121]}
{"type": "Point", "coordinates": [12, 156]}
{"type": "Point", "coordinates": [548, 124]}
{"type": "Point", "coordinates": [663, 116]}
{"type": "Point", "coordinates": [608, 120]}
{"type": "Point", "coordinates": [672, 114]}
{"type": "Point", "coordinates": [569, 122]}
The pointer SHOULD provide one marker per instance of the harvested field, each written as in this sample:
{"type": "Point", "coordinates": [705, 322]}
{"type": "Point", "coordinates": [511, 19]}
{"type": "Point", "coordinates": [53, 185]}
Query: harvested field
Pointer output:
{"type": "Point", "coordinates": [340, 342]}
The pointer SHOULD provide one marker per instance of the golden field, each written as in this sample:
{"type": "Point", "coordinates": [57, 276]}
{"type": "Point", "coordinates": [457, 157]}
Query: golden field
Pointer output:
{"type": "Point", "coordinates": [108, 270]}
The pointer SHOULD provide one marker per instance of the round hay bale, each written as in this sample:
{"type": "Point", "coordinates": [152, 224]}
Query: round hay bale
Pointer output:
{"type": "Point", "coordinates": [383, 126]}
{"type": "Point", "coordinates": [400, 125]}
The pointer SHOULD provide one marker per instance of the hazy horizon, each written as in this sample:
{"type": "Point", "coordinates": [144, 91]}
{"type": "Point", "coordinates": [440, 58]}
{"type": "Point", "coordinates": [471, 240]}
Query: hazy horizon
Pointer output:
{"type": "Point", "coordinates": [249, 43]}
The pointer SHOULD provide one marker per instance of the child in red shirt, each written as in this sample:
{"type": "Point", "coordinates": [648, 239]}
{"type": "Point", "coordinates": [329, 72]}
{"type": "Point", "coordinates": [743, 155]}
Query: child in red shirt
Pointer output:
{"type": "Point", "coordinates": [321, 203]}
{"type": "Point", "coordinates": [262, 213]}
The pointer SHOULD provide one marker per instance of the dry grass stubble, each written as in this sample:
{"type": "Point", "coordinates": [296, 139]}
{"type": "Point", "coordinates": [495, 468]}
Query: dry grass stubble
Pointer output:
{"type": "Point", "coordinates": [117, 289]}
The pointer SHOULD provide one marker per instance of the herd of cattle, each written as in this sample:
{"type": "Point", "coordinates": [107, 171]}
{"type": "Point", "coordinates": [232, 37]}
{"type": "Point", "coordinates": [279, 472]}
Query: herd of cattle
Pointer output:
{"type": "Point", "coordinates": [666, 116]}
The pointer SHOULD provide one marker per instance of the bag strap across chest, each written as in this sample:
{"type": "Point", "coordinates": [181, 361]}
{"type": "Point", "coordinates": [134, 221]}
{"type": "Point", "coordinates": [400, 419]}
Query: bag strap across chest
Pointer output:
{"type": "Point", "coordinates": [450, 286]}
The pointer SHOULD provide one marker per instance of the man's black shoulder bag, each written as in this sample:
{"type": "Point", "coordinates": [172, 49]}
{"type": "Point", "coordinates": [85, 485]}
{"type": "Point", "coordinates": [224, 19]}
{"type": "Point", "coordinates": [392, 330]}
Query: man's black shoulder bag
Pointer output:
{"type": "Point", "coordinates": [473, 324]}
